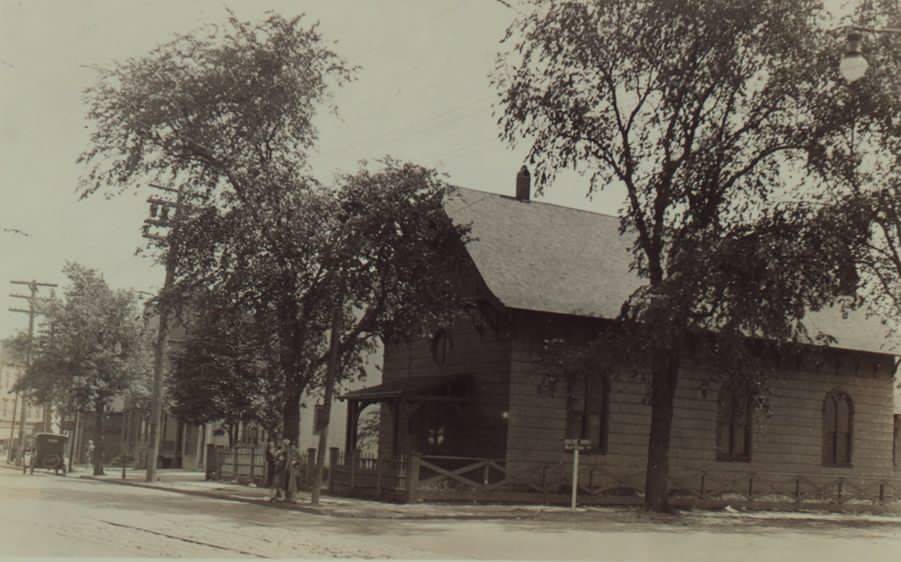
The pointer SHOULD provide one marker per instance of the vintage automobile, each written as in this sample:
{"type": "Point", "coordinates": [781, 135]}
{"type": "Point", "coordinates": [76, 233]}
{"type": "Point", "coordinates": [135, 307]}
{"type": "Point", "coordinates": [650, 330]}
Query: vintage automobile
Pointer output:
{"type": "Point", "coordinates": [48, 453]}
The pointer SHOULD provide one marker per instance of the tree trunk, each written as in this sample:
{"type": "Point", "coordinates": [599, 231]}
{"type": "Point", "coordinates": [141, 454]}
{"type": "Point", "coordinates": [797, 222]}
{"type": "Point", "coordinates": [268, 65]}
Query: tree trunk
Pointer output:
{"type": "Point", "coordinates": [291, 339]}
{"type": "Point", "coordinates": [664, 378]}
{"type": "Point", "coordinates": [291, 413]}
{"type": "Point", "coordinates": [179, 443]}
{"type": "Point", "coordinates": [98, 435]}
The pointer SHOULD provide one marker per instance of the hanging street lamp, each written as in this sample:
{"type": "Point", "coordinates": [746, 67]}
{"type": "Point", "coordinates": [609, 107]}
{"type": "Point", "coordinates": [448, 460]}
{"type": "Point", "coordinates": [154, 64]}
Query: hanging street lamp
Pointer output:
{"type": "Point", "coordinates": [854, 65]}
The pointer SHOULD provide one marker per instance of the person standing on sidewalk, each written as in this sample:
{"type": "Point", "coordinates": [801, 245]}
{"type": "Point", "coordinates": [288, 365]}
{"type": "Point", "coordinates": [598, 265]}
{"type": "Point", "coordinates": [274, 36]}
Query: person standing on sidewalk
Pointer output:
{"type": "Point", "coordinates": [270, 467]}
{"type": "Point", "coordinates": [280, 471]}
{"type": "Point", "coordinates": [270, 462]}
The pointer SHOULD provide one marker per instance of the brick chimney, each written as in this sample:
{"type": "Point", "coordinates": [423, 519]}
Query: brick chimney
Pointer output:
{"type": "Point", "coordinates": [523, 184]}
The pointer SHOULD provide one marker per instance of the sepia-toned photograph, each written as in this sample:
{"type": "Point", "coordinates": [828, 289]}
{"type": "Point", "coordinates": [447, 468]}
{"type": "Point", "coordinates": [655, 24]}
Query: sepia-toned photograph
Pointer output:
{"type": "Point", "coordinates": [613, 280]}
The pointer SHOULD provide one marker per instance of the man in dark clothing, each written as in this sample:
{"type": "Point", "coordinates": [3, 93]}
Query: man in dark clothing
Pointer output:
{"type": "Point", "coordinates": [281, 472]}
{"type": "Point", "coordinates": [270, 463]}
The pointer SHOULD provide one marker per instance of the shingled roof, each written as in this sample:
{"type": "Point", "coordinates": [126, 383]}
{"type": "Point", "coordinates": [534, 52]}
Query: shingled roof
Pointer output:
{"type": "Point", "coordinates": [549, 258]}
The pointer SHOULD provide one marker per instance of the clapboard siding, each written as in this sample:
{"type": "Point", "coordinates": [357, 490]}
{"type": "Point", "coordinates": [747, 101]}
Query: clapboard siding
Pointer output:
{"type": "Point", "coordinates": [786, 440]}
{"type": "Point", "coordinates": [483, 354]}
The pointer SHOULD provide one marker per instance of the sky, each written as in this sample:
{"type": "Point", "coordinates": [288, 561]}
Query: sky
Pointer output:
{"type": "Point", "coordinates": [422, 94]}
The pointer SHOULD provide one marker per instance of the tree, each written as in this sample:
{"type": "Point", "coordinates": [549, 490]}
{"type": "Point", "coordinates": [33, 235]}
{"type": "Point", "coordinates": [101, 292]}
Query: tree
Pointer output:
{"type": "Point", "coordinates": [861, 160]}
{"type": "Point", "coordinates": [374, 248]}
{"type": "Point", "coordinates": [222, 372]}
{"type": "Point", "coordinates": [98, 350]}
{"type": "Point", "coordinates": [700, 111]}
{"type": "Point", "coordinates": [227, 114]}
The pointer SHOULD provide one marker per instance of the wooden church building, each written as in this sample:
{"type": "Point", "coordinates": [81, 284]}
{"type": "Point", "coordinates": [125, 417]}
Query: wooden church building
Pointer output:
{"type": "Point", "coordinates": [471, 407]}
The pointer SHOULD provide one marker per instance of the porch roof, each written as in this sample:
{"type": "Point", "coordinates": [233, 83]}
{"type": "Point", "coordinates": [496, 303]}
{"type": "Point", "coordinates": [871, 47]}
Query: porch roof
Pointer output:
{"type": "Point", "coordinates": [407, 388]}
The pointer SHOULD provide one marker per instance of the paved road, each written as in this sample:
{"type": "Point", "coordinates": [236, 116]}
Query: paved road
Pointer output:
{"type": "Point", "coordinates": [45, 515]}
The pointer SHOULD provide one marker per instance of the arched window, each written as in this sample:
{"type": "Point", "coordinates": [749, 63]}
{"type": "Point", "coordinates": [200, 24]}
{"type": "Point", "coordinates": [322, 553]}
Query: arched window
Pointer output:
{"type": "Point", "coordinates": [733, 426]}
{"type": "Point", "coordinates": [838, 429]}
{"type": "Point", "coordinates": [587, 411]}
{"type": "Point", "coordinates": [441, 345]}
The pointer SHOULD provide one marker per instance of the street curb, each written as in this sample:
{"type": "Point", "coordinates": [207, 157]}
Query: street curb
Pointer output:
{"type": "Point", "coordinates": [312, 510]}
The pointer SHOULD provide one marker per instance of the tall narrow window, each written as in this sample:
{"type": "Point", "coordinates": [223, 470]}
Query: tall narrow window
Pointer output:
{"type": "Point", "coordinates": [896, 443]}
{"type": "Point", "coordinates": [838, 429]}
{"type": "Point", "coordinates": [733, 428]}
{"type": "Point", "coordinates": [587, 411]}
{"type": "Point", "coordinates": [318, 418]}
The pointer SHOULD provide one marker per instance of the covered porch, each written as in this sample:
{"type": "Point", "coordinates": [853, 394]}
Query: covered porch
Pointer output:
{"type": "Point", "coordinates": [426, 449]}
{"type": "Point", "coordinates": [426, 415]}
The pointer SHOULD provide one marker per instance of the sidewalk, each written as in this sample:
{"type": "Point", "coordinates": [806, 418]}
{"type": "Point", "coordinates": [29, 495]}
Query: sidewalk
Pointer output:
{"type": "Point", "coordinates": [193, 483]}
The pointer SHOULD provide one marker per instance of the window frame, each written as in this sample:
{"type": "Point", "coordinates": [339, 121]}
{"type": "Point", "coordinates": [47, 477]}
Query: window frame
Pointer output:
{"type": "Point", "coordinates": [581, 395]}
{"type": "Point", "coordinates": [896, 439]}
{"type": "Point", "coordinates": [318, 417]}
{"type": "Point", "coordinates": [736, 395]}
{"type": "Point", "coordinates": [441, 344]}
{"type": "Point", "coordinates": [834, 398]}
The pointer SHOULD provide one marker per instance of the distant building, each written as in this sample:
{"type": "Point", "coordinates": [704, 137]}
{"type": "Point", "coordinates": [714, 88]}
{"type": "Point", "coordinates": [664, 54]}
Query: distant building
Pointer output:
{"type": "Point", "coordinates": [312, 405]}
{"type": "Point", "coordinates": [11, 404]}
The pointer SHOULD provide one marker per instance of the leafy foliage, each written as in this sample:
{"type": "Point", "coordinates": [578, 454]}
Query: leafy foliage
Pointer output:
{"type": "Point", "coordinates": [224, 102]}
{"type": "Point", "coordinates": [95, 348]}
{"type": "Point", "coordinates": [220, 374]}
{"type": "Point", "coordinates": [228, 115]}
{"type": "Point", "coordinates": [861, 158]}
{"type": "Point", "coordinates": [707, 114]}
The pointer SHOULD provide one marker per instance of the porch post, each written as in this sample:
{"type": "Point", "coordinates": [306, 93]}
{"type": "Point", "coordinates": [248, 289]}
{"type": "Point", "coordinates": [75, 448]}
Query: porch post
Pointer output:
{"type": "Point", "coordinates": [412, 477]}
{"type": "Point", "coordinates": [332, 469]}
{"type": "Point", "coordinates": [379, 464]}
{"type": "Point", "coordinates": [400, 442]}
{"type": "Point", "coordinates": [395, 429]}
{"type": "Point", "coordinates": [355, 423]}
{"type": "Point", "coordinates": [349, 444]}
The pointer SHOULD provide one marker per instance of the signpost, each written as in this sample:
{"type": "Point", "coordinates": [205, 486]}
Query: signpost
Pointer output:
{"type": "Point", "coordinates": [576, 445]}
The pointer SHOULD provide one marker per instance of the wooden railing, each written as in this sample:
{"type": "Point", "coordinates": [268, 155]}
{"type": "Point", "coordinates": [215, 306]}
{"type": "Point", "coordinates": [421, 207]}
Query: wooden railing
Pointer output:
{"type": "Point", "coordinates": [452, 478]}
{"type": "Point", "coordinates": [415, 477]}
{"type": "Point", "coordinates": [714, 486]}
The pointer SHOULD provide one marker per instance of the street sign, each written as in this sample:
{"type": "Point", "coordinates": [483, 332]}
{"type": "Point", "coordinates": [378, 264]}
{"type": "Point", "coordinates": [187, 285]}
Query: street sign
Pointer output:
{"type": "Point", "coordinates": [576, 444]}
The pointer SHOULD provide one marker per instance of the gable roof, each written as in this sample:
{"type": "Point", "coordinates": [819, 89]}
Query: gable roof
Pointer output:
{"type": "Point", "coordinates": [549, 258]}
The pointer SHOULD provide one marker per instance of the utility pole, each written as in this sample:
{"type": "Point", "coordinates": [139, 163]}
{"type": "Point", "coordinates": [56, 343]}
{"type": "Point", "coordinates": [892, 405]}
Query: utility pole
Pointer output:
{"type": "Point", "coordinates": [33, 287]}
{"type": "Point", "coordinates": [159, 216]}
{"type": "Point", "coordinates": [48, 407]}
{"type": "Point", "coordinates": [12, 425]}
{"type": "Point", "coordinates": [73, 448]}
{"type": "Point", "coordinates": [330, 375]}
{"type": "Point", "coordinates": [12, 429]}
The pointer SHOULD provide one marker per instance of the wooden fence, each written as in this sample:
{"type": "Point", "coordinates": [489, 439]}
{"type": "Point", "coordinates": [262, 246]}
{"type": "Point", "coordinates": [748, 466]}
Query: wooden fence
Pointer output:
{"type": "Point", "coordinates": [416, 478]}
{"type": "Point", "coordinates": [437, 478]}
{"type": "Point", "coordinates": [447, 478]}
{"type": "Point", "coordinates": [247, 464]}
{"type": "Point", "coordinates": [712, 487]}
